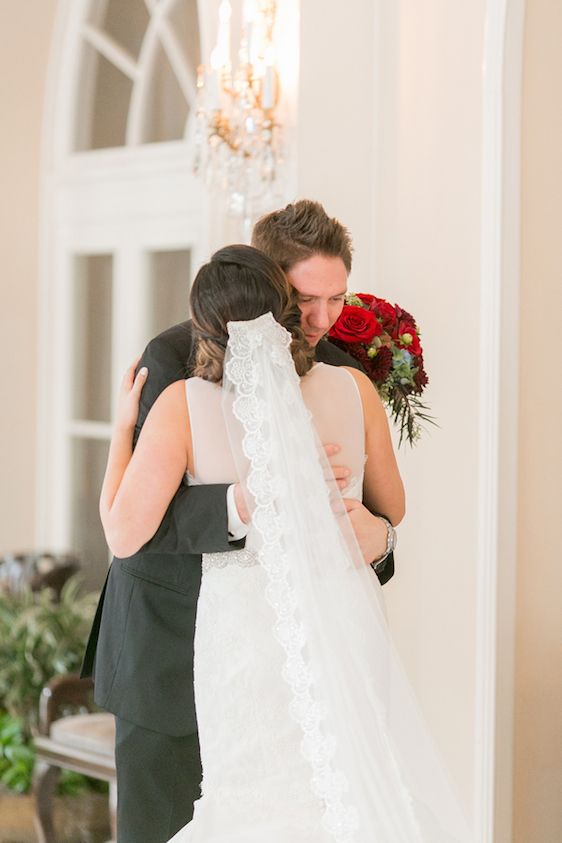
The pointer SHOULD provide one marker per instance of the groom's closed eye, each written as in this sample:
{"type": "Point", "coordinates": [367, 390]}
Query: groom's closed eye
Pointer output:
{"type": "Point", "coordinates": [306, 299]}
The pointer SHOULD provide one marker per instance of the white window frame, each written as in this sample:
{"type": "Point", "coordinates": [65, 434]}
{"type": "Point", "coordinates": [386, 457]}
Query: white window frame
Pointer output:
{"type": "Point", "coordinates": [128, 202]}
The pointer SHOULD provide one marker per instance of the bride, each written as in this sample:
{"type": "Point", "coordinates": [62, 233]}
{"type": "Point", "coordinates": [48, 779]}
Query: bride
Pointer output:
{"type": "Point", "coordinates": [308, 729]}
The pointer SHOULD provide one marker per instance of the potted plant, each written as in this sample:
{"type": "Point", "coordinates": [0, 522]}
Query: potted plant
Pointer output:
{"type": "Point", "coordinates": [40, 637]}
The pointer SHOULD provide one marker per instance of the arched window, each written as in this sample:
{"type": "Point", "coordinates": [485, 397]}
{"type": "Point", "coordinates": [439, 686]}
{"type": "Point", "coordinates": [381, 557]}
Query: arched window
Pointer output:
{"type": "Point", "coordinates": [125, 226]}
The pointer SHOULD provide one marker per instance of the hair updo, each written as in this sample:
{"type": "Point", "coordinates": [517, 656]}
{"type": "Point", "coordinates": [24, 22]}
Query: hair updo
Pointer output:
{"type": "Point", "coordinates": [238, 284]}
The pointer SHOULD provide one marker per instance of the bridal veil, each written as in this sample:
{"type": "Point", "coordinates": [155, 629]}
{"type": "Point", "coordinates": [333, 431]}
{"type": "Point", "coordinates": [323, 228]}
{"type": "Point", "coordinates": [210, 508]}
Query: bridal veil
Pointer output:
{"type": "Point", "coordinates": [373, 764]}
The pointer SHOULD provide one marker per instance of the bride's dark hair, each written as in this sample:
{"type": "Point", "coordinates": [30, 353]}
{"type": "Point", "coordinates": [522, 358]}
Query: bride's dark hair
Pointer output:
{"type": "Point", "coordinates": [241, 283]}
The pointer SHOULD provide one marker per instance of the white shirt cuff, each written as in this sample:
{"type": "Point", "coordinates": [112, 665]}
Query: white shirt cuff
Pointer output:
{"type": "Point", "coordinates": [236, 527]}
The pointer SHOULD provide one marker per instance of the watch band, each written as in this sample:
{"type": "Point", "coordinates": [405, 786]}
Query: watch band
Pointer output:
{"type": "Point", "coordinates": [391, 539]}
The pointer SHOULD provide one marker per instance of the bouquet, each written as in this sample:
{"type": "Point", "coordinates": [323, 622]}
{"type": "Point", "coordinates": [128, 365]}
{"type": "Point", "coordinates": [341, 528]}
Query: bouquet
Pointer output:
{"type": "Point", "coordinates": [385, 339]}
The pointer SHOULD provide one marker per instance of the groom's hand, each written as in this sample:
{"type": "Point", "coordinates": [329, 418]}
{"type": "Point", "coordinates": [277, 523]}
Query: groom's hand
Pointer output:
{"type": "Point", "coordinates": [370, 531]}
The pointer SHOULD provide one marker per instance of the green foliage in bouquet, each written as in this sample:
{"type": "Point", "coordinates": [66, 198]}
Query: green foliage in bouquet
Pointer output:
{"type": "Point", "coordinates": [39, 639]}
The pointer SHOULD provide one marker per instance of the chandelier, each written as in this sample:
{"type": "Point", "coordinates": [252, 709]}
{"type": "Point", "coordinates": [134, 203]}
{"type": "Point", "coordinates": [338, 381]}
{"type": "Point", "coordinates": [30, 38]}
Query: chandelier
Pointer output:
{"type": "Point", "coordinates": [237, 133]}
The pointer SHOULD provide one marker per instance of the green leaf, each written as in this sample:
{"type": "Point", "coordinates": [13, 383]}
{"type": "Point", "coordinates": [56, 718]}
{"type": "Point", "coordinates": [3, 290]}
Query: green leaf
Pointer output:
{"type": "Point", "coordinates": [40, 639]}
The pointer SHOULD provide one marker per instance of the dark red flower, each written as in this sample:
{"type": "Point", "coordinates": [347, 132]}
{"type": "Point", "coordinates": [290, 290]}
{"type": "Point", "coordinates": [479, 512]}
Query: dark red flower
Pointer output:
{"type": "Point", "coordinates": [359, 352]}
{"type": "Point", "coordinates": [421, 379]}
{"type": "Point", "coordinates": [386, 313]}
{"type": "Point", "coordinates": [377, 368]}
{"type": "Point", "coordinates": [402, 314]}
{"type": "Point", "coordinates": [380, 365]}
{"type": "Point", "coordinates": [356, 324]}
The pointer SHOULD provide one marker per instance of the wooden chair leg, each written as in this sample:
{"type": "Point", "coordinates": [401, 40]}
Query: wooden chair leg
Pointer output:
{"type": "Point", "coordinates": [113, 809]}
{"type": "Point", "coordinates": [44, 786]}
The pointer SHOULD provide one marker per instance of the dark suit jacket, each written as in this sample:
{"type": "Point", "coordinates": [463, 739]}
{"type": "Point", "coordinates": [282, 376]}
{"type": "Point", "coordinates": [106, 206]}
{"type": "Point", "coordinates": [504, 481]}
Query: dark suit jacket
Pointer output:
{"type": "Point", "coordinates": [140, 649]}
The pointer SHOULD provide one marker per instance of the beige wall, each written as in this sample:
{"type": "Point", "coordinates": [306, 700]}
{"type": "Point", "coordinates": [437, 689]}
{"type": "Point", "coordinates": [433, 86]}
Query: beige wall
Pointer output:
{"type": "Point", "coordinates": [25, 31]}
{"type": "Point", "coordinates": [538, 705]}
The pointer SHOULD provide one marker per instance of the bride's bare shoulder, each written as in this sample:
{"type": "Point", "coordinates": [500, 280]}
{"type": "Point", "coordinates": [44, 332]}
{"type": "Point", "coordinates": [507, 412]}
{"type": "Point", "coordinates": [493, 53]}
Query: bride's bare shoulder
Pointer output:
{"type": "Point", "coordinates": [171, 402]}
{"type": "Point", "coordinates": [369, 396]}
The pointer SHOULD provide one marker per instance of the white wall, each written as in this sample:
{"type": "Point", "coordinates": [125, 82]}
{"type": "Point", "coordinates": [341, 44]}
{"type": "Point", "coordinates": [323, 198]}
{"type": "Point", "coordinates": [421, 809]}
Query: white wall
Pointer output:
{"type": "Point", "coordinates": [428, 227]}
{"type": "Point", "coordinates": [335, 129]}
{"type": "Point", "coordinates": [409, 190]}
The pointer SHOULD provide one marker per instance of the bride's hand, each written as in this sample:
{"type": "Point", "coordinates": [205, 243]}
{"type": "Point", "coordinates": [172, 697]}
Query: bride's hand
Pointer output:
{"type": "Point", "coordinates": [340, 473]}
{"type": "Point", "coordinates": [129, 397]}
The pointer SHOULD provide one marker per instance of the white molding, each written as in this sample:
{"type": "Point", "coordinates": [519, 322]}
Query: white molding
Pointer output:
{"type": "Point", "coordinates": [89, 429]}
{"type": "Point", "coordinates": [501, 95]}
{"type": "Point", "coordinates": [111, 50]}
{"type": "Point", "coordinates": [53, 137]}
{"type": "Point", "coordinates": [185, 73]}
{"type": "Point", "coordinates": [124, 202]}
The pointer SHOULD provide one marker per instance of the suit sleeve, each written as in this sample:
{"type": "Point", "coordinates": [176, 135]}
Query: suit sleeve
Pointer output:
{"type": "Point", "coordinates": [196, 520]}
{"type": "Point", "coordinates": [386, 571]}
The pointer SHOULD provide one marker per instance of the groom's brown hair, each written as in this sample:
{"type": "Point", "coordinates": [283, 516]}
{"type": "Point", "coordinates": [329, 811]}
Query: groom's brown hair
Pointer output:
{"type": "Point", "coordinates": [299, 231]}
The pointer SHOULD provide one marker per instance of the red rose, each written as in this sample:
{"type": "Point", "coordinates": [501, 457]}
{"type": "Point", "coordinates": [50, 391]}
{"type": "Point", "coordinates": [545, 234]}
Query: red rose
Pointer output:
{"type": "Point", "coordinates": [367, 298]}
{"type": "Point", "coordinates": [356, 324]}
{"type": "Point", "coordinates": [406, 336]}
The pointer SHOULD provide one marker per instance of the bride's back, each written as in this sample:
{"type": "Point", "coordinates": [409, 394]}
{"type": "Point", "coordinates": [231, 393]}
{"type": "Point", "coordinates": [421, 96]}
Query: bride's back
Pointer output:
{"type": "Point", "coordinates": [331, 395]}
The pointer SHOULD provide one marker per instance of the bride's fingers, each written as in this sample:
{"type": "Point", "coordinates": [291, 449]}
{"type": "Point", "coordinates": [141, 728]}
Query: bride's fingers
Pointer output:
{"type": "Point", "coordinates": [129, 376]}
{"type": "Point", "coordinates": [341, 475]}
{"type": "Point", "coordinates": [139, 381]}
{"type": "Point", "coordinates": [128, 379]}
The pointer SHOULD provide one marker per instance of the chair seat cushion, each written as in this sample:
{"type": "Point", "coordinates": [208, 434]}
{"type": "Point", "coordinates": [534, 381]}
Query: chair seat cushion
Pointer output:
{"type": "Point", "coordinates": [90, 732]}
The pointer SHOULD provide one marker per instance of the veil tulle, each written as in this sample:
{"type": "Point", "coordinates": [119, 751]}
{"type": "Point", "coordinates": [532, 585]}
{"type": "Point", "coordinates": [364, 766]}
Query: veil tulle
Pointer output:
{"type": "Point", "coordinates": [373, 763]}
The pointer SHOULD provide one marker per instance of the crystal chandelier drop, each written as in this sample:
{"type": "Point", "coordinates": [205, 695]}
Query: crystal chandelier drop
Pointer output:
{"type": "Point", "coordinates": [238, 135]}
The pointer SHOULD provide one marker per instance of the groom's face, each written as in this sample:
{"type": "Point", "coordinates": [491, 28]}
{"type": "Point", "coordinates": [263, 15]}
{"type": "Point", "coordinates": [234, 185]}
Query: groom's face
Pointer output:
{"type": "Point", "coordinates": [321, 284]}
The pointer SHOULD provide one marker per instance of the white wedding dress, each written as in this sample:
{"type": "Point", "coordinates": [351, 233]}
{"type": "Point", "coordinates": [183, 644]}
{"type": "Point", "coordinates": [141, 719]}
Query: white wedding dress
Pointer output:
{"type": "Point", "coordinates": [308, 726]}
{"type": "Point", "coordinates": [256, 782]}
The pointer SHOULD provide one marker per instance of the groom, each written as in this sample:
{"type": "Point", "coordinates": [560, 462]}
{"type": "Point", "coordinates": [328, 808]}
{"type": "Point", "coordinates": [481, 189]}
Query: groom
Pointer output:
{"type": "Point", "coordinates": [140, 649]}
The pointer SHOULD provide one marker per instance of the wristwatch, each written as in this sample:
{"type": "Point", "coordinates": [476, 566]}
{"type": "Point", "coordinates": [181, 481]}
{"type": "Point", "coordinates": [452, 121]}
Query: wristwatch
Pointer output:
{"type": "Point", "coordinates": [391, 539]}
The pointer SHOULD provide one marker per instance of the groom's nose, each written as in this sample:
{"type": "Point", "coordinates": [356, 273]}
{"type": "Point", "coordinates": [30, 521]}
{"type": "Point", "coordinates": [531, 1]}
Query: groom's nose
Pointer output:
{"type": "Point", "coordinates": [319, 316]}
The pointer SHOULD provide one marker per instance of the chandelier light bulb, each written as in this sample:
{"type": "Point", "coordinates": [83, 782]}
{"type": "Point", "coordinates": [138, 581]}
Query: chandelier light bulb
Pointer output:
{"type": "Point", "coordinates": [250, 11]}
{"type": "Point", "coordinates": [216, 58]}
{"type": "Point", "coordinates": [238, 139]}
{"type": "Point", "coordinates": [225, 11]}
